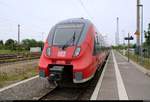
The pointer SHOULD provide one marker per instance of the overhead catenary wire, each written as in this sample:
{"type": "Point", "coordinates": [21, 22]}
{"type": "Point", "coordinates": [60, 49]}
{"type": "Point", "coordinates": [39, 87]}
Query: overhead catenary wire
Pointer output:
{"type": "Point", "coordinates": [86, 11]}
{"type": "Point", "coordinates": [13, 21]}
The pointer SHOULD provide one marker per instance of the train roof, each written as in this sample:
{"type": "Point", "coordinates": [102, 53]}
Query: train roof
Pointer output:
{"type": "Point", "coordinates": [75, 20]}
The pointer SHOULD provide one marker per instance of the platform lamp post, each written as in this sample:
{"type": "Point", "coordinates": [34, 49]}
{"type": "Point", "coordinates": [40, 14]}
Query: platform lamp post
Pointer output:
{"type": "Point", "coordinates": [123, 33]}
{"type": "Point", "coordinates": [141, 33]}
{"type": "Point", "coordinates": [128, 38]}
{"type": "Point", "coordinates": [128, 46]}
{"type": "Point", "coordinates": [18, 44]}
{"type": "Point", "coordinates": [18, 34]}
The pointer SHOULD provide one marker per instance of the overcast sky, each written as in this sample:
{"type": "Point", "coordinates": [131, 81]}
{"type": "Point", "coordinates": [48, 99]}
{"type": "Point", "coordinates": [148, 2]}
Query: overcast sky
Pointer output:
{"type": "Point", "coordinates": [36, 17]}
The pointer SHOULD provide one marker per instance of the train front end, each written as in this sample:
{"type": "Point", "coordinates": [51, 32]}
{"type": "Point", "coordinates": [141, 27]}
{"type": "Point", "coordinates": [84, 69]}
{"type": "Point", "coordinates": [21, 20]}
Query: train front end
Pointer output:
{"type": "Point", "coordinates": [67, 53]}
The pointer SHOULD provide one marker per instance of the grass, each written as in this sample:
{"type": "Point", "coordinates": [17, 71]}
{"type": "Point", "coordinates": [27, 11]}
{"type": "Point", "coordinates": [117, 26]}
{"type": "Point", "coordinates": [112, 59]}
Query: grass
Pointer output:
{"type": "Point", "coordinates": [137, 59]}
{"type": "Point", "coordinates": [11, 51]}
{"type": "Point", "coordinates": [9, 78]}
{"type": "Point", "coordinates": [7, 52]}
{"type": "Point", "coordinates": [26, 71]}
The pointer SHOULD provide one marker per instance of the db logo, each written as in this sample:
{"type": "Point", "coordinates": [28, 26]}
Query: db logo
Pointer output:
{"type": "Point", "coordinates": [61, 53]}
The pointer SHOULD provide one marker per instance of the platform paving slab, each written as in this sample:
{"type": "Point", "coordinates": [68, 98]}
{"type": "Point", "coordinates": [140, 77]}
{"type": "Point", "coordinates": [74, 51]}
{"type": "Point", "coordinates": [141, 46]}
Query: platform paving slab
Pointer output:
{"type": "Point", "coordinates": [30, 89]}
{"type": "Point", "coordinates": [135, 81]}
{"type": "Point", "coordinates": [108, 90]}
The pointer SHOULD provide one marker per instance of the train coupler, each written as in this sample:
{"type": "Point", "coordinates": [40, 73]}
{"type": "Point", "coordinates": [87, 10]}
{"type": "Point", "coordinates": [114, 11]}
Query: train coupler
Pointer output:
{"type": "Point", "coordinates": [56, 73]}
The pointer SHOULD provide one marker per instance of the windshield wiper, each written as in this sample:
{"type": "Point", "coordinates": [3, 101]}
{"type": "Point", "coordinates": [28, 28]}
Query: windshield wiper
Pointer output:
{"type": "Point", "coordinates": [69, 41]}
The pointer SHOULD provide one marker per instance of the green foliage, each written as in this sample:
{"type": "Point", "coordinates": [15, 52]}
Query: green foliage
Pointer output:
{"type": "Point", "coordinates": [27, 43]}
{"type": "Point", "coordinates": [7, 78]}
{"type": "Point", "coordinates": [120, 47]}
{"type": "Point", "coordinates": [1, 44]}
{"type": "Point", "coordinates": [133, 46]}
{"type": "Point", "coordinates": [40, 44]}
{"type": "Point", "coordinates": [12, 45]}
{"type": "Point", "coordinates": [147, 41]}
{"type": "Point", "coordinates": [147, 37]}
{"type": "Point", "coordinates": [137, 58]}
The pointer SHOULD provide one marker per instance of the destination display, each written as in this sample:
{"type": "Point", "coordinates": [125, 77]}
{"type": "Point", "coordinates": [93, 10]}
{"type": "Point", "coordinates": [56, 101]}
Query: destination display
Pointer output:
{"type": "Point", "coordinates": [71, 25]}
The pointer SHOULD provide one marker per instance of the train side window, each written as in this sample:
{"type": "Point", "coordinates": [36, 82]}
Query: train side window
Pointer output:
{"type": "Point", "coordinates": [94, 52]}
{"type": "Point", "coordinates": [98, 48]}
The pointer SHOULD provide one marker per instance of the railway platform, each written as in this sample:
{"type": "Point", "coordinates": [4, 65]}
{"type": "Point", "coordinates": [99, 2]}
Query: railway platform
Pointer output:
{"type": "Point", "coordinates": [122, 80]}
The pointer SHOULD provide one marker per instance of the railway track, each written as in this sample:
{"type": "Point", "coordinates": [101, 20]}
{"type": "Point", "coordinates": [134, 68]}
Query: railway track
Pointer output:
{"type": "Point", "coordinates": [10, 58]}
{"type": "Point", "coordinates": [17, 60]}
{"type": "Point", "coordinates": [7, 56]}
{"type": "Point", "coordinates": [71, 93]}
{"type": "Point", "coordinates": [63, 94]}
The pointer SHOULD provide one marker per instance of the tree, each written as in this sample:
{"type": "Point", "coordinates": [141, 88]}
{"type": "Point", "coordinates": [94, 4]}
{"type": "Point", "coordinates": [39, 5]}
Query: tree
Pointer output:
{"type": "Point", "coordinates": [147, 40]}
{"type": "Point", "coordinates": [133, 46]}
{"type": "Point", "coordinates": [147, 36]}
{"type": "Point", "coordinates": [40, 44]}
{"type": "Point", "coordinates": [11, 44]}
{"type": "Point", "coordinates": [1, 44]}
{"type": "Point", "coordinates": [33, 43]}
{"type": "Point", "coordinates": [27, 43]}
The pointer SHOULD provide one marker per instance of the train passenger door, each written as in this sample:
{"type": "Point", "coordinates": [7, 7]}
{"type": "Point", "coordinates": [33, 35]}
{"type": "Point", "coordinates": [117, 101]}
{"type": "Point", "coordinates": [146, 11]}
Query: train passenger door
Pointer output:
{"type": "Point", "coordinates": [96, 50]}
{"type": "Point", "coordinates": [97, 47]}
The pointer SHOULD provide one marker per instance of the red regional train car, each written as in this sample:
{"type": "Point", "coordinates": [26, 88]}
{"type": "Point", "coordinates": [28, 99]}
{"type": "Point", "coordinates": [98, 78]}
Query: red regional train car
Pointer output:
{"type": "Point", "coordinates": [71, 52]}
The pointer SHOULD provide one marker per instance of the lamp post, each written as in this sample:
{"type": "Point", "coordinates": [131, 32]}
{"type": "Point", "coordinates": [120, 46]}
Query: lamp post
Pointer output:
{"type": "Point", "coordinates": [18, 34]}
{"type": "Point", "coordinates": [128, 46]}
{"type": "Point", "coordinates": [141, 33]}
{"type": "Point", "coordinates": [123, 33]}
{"type": "Point", "coordinates": [138, 27]}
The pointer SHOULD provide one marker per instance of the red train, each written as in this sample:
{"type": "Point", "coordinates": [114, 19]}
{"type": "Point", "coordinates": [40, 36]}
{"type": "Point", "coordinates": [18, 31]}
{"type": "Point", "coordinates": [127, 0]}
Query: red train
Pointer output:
{"type": "Point", "coordinates": [71, 52]}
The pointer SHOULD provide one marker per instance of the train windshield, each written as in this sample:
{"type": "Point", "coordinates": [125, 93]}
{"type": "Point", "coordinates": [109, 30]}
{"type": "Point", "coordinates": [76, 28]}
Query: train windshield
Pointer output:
{"type": "Point", "coordinates": [64, 33]}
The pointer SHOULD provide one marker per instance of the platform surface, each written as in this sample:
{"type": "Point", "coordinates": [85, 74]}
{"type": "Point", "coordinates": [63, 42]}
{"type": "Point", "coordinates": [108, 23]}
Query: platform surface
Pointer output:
{"type": "Point", "coordinates": [122, 80]}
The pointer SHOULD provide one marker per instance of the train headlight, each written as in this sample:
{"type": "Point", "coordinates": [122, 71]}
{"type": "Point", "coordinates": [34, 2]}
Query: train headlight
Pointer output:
{"type": "Point", "coordinates": [42, 73]}
{"type": "Point", "coordinates": [78, 76]}
{"type": "Point", "coordinates": [48, 51]}
{"type": "Point", "coordinates": [77, 51]}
